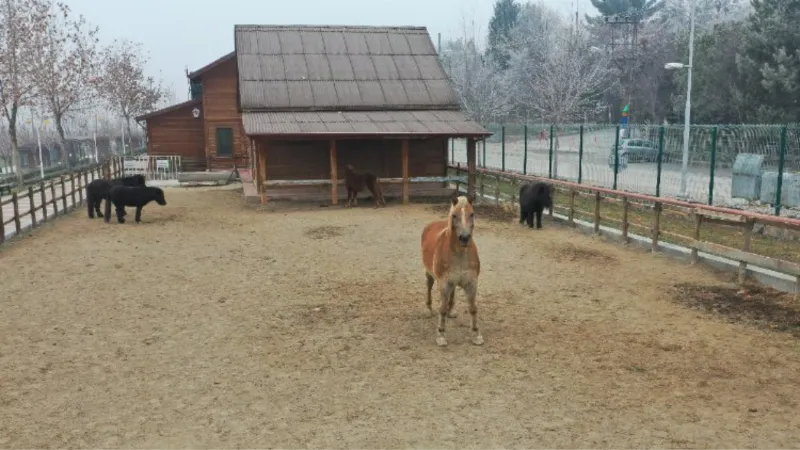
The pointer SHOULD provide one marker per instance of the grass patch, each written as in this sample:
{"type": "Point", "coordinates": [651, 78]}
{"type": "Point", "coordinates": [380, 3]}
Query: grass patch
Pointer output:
{"type": "Point", "coordinates": [677, 225]}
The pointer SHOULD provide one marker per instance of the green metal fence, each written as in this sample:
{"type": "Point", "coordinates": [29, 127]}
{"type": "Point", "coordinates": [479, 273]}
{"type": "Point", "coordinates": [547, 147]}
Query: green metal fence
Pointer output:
{"type": "Point", "coordinates": [649, 159]}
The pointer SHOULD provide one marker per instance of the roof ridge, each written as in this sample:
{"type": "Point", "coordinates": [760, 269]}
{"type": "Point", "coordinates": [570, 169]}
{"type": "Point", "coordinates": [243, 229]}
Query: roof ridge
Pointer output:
{"type": "Point", "coordinates": [301, 27]}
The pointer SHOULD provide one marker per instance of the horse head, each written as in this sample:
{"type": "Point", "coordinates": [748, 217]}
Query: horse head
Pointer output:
{"type": "Point", "coordinates": [462, 218]}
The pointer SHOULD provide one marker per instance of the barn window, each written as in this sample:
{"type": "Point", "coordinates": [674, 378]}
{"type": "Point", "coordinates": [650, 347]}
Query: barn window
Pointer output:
{"type": "Point", "coordinates": [224, 141]}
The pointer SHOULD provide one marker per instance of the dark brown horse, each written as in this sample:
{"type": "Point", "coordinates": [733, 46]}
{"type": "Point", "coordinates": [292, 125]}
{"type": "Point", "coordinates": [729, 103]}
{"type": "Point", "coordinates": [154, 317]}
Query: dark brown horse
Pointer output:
{"type": "Point", "coordinates": [355, 182]}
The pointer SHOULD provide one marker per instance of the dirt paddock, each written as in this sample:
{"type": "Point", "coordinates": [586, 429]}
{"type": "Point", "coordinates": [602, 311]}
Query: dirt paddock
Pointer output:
{"type": "Point", "coordinates": [215, 325]}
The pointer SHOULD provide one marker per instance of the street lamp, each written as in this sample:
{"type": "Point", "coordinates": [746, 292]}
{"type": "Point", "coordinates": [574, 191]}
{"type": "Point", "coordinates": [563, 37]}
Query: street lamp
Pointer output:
{"type": "Point", "coordinates": [688, 110]}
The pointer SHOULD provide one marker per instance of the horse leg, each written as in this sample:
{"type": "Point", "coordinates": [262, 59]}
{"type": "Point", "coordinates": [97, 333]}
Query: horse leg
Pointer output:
{"type": "Point", "coordinates": [539, 217]}
{"type": "Point", "coordinates": [452, 313]}
{"type": "Point", "coordinates": [445, 289]}
{"type": "Point", "coordinates": [121, 214]}
{"type": "Point", "coordinates": [97, 206]}
{"type": "Point", "coordinates": [428, 300]}
{"type": "Point", "coordinates": [138, 214]}
{"type": "Point", "coordinates": [529, 218]}
{"type": "Point", "coordinates": [472, 292]}
{"type": "Point", "coordinates": [349, 196]}
{"type": "Point", "coordinates": [523, 213]}
{"type": "Point", "coordinates": [90, 203]}
{"type": "Point", "coordinates": [375, 196]}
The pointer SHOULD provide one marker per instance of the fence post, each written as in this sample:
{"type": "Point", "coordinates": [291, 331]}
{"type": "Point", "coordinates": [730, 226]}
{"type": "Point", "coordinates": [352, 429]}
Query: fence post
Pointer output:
{"type": "Point", "coordinates": [63, 196]}
{"type": "Point", "coordinates": [781, 161]}
{"type": "Point", "coordinates": [525, 151]}
{"type": "Point", "coordinates": [503, 148]}
{"type": "Point", "coordinates": [580, 156]}
{"type": "Point", "coordinates": [452, 151]}
{"type": "Point", "coordinates": [625, 223]}
{"type": "Point", "coordinates": [43, 197]}
{"type": "Point", "coordinates": [15, 202]}
{"type": "Point", "coordinates": [484, 153]}
{"type": "Point", "coordinates": [616, 156]}
{"type": "Point", "coordinates": [713, 165]}
{"type": "Point", "coordinates": [597, 212]}
{"type": "Point", "coordinates": [31, 207]}
{"type": "Point", "coordinates": [72, 189]}
{"type": "Point", "coordinates": [660, 158]}
{"type": "Point", "coordinates": [2, 226]}
{"type": "Point", "coordinates": [550, 158]}
{"type": "Point", "coordinates": [656, 231]}
{"type": "Point", "coordinates": [53, 198]}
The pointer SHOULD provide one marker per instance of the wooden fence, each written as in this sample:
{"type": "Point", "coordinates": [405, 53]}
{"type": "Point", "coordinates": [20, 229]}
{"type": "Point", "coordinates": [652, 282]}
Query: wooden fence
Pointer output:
{"type": "Point", "coordinates": [31, 208]}
{"type": "Point", "coordinates": [729, 232]}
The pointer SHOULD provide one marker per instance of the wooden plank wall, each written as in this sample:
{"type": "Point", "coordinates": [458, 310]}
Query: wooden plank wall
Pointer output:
{"type": "Point", "coordinates": [304, 160]}
{"type": "Point", "coordinates": [176, 133]}
{"type": "Point", "coordinates": [310, 160]}
{"type": "Point", "coordinates": [221, 109]}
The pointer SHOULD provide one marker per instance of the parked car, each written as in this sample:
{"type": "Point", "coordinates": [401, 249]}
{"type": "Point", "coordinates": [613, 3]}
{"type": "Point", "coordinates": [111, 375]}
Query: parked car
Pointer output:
{"type": "Point", "coordinates": [634, 150]}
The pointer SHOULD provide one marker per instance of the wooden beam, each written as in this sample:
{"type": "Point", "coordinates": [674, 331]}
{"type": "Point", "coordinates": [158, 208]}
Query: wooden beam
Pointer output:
{"type": "Point", "coordinates": [471, 158]}
{"type": "Point", "coordinates": [405, 147]}
{"type": "Point", "coordinates": [334, 173]}
{"type": "Point", "coordinates": [261, 149]}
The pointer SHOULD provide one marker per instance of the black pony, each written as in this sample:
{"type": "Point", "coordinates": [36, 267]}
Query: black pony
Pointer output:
{"type": "Point", "coordinates": [139, 196]}
{"type": "Point", "coordinates": [533, 198]}
{"type": "Point", "coordinates": [98, 189]}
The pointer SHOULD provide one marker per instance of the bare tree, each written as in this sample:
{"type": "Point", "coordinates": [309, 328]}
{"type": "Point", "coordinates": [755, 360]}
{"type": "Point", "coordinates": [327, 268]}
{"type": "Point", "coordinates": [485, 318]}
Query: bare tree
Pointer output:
{"type": "Point", "coordinates": [23, 24]}
{"type": "Point", "coordinates": [562, 78]}
{"type": "Point", "coordinates": [64, 65]}
{"type": "Point", "coordinates": [476, 78]}
{"type": "Point", "coordinates": [123, 83]}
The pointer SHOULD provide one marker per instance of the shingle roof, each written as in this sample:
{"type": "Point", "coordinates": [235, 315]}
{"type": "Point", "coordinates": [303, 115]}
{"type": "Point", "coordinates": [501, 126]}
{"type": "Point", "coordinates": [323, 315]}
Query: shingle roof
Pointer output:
{"type": "Point", "coordinates": [317, 68]}
{"type": "Point", "coordinates": [405, 123]}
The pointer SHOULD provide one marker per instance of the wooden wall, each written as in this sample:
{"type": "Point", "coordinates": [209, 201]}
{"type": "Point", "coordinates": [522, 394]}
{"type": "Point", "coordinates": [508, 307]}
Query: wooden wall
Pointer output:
{"type": "Point", "coordinates": [221, 109]}
{"type": "Point", "coordinates": [310, 160]}
{"type": "Point", "coordinates": [176, 133]}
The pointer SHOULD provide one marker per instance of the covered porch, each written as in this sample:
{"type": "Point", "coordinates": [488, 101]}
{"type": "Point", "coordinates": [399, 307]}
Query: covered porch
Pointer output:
{"type": "Point", "coordinates": [303, 156]}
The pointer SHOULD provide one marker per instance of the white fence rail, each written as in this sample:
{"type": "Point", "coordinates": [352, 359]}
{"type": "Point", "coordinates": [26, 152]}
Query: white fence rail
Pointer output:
{"type": "Point", "coordinates": [153, 167]}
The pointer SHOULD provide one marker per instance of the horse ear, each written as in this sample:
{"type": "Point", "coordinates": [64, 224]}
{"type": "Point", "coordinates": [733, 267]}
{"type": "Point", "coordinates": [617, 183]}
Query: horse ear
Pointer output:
{"type": "Point", "coordinates": [471, 198]}
{"type": "Point", "coordinates": [454, 199]}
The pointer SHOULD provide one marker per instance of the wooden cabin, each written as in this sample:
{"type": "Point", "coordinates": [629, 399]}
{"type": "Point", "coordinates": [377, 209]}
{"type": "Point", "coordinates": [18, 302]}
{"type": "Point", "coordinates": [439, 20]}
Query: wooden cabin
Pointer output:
{"type": "Point", "coordinates": [205, 131]}
{"type": "Point", "coordinates": [316, 98]}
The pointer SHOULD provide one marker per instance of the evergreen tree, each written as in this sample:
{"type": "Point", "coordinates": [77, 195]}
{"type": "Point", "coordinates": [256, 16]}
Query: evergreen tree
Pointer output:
{"type": "Point", "coordinates": [501, 25]}
{"type": "Point", "coordinates": [770, 64]}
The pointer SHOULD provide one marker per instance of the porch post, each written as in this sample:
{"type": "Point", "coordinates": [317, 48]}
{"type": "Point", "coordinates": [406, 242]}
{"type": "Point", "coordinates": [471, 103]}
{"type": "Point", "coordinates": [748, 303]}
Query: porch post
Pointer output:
{"type": "Point", "coordinates": [471, 166]}
{"type": "Point", "coordinates": [334, 174]}
{"type": "Point", "coordinates": [261, 149]}
{"type": "Point", "coordinates": [405, 147]}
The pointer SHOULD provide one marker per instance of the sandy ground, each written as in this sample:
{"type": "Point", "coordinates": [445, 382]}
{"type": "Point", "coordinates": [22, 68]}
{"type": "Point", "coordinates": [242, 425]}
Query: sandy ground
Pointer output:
{"type": "Point", "coordinates": [213, 325]}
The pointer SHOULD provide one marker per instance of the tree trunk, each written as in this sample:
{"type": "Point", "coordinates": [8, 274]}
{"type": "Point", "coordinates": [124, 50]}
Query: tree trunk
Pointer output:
{"type": "Point", "coordinates": [62, 139]}
{"type": "Point", "coordinates": [15, 156]}
{"type": "Point", "coordinates": [130, 136]}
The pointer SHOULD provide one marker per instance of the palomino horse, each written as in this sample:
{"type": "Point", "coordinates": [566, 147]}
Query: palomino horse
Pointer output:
{"type": "Point", "coordinates": [356, 181]}
{"type": "Point", "coordinates": [451, 259]}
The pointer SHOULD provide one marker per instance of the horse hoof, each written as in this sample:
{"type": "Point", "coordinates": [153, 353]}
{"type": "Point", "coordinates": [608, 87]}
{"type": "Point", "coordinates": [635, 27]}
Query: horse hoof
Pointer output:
{"type": "Point", "coordinates": [477, 340]}
{"type": "Point", "coordinates": [441, 341]}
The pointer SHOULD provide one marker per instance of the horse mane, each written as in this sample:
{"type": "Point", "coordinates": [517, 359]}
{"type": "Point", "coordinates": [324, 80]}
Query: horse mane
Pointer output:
{"type": "Point", "coordinates": [460, 203]}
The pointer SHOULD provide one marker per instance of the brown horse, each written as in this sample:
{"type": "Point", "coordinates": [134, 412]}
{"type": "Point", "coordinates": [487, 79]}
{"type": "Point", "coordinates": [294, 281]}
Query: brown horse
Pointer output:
{"type": "Point", "coordinates": [356, 181]}
{"type": "Point", "coordinates": [451, 259]}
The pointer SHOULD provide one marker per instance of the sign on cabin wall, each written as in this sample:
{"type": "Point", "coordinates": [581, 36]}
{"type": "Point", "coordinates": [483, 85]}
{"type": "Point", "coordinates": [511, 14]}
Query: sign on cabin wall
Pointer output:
{"type": "Point", "coordinates": [162, 164]}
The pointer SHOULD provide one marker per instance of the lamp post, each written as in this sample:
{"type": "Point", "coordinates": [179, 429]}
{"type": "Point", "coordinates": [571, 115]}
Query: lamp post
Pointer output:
{"type": "Point", "coordinates": [688, 110]}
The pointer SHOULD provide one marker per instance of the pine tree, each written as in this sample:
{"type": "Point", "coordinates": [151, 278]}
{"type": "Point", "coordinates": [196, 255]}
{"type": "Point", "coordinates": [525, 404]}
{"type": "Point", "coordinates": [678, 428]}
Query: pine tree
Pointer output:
{"type": "Point", "coordinates": [503, 22]}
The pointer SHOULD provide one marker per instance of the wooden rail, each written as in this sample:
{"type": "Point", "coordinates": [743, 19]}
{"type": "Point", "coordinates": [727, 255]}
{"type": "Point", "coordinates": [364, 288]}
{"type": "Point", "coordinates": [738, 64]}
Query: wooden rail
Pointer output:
{"type": "Point", "coordinates": [700, 214]}
{"type": "Point", "coordinates": [33, 207]}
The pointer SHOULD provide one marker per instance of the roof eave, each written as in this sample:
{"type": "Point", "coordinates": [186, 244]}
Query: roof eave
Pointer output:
{"type": "Point", "coordinates": [168, 109]}
{"type": "Point", "coordinates": [201, 71]}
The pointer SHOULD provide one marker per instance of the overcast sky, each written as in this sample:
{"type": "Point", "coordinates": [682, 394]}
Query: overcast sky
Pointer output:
{"type": "Point", "coordinates": [181, 33]}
